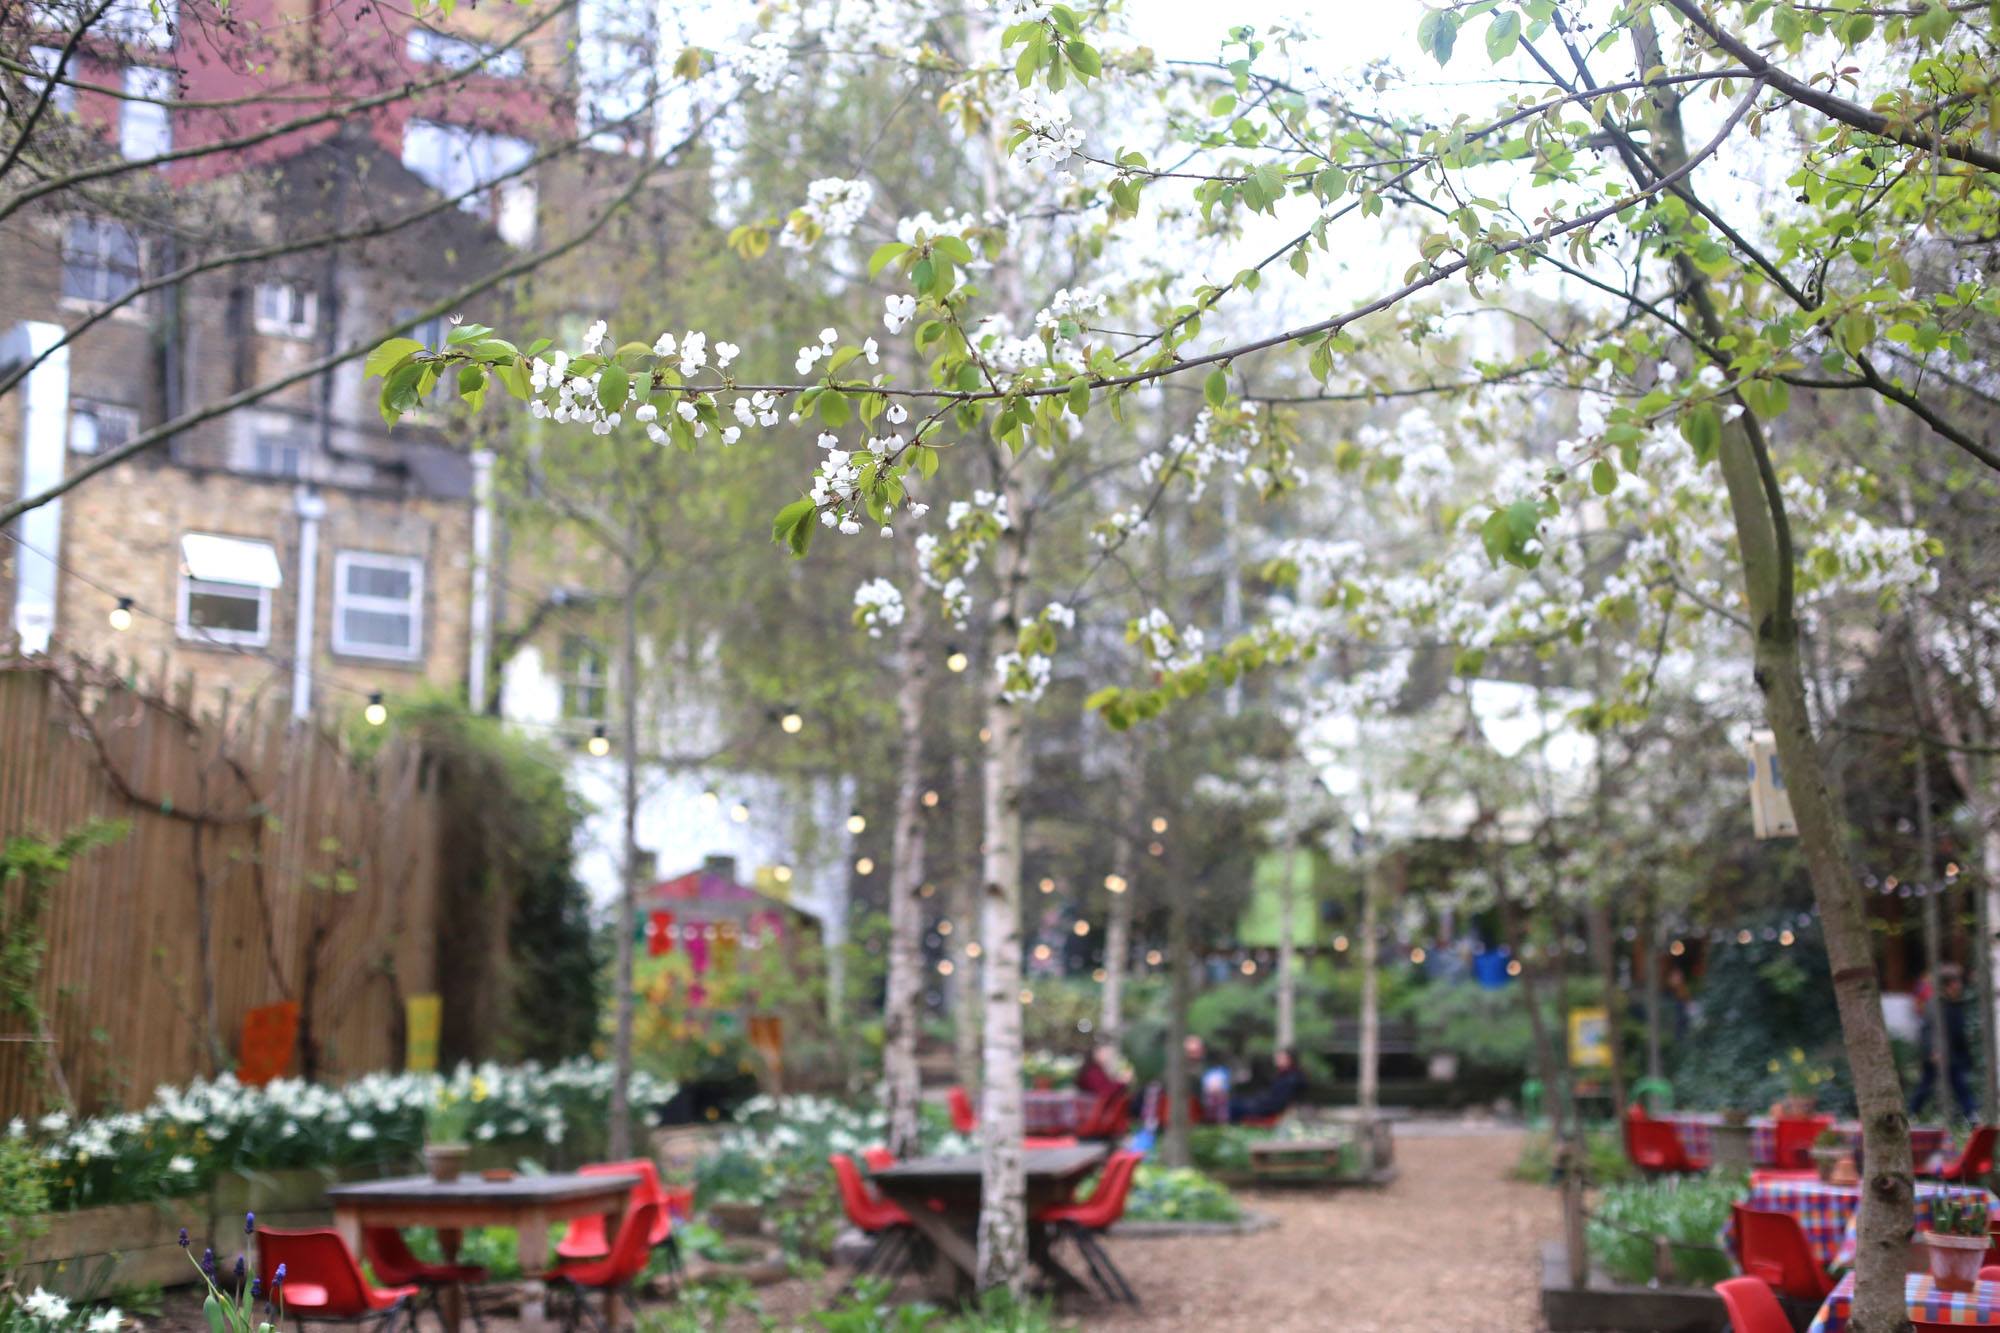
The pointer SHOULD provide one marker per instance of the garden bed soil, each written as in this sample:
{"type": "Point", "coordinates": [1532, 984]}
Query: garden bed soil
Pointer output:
{"type": "Point", "coordinates": [1249, 1223]}
{"type": "Point", "coordinates": [1609, 1306]}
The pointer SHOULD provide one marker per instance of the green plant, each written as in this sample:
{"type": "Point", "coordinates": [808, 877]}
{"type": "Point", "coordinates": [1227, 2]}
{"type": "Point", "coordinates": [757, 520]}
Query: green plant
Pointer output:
{"type": "Point", "coordinates": [34, 865]}
{"type": "Point", "coordinates": [1605, 1161]}
{"type": "Point", "coordinates": [1179, 1194]}
{"type": "Point", "coordinates": [1829, 1138]}
{"type": "Point", "coordinates": [24, 1197]}
{"type": "Point", "coordinates": [77, 1308]}
{"type": "Point", "coordinates": [706, 1307]}
{"type": "Point", "coordinates": [1629, 1220]}
{"type": "Point", "coordinates": [866, 1309]}
{"type": "Point", "coordinates": [1959, 1214]}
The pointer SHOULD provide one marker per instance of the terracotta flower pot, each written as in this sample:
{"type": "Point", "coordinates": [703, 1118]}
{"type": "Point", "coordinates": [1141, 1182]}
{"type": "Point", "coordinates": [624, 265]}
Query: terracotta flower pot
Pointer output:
{"type": "Point", "coordinates": [446, 1160]}
{"type": "Point", "coordinates": [1827, 1161]}
{"type": "Point", "coordinates": [1955, 1260]}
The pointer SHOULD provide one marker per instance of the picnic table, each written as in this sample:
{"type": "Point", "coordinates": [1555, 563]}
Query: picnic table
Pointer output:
{"type": "Point", "coordinates": [1696, 1131]}
{"type": "Point", "coordinates": [1829, 1214]}
{"type": "Point", "coordinates": [529, 1204]}
{"type": "Point", "coordinates": [1978, 1308]}
{"type": "Point", "coordinates": [941, 1195]}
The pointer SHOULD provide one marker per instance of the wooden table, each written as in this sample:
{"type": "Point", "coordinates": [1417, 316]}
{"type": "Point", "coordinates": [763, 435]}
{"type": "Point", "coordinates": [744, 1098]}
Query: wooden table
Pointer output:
{"type": "Point", "coordinates": [529, 1204]}
{"type": "Point", "coordinates": [954, 1183]}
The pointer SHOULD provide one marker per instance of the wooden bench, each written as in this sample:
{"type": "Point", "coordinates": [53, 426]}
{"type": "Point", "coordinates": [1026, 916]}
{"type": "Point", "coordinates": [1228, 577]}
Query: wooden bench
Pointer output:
{"type": "Point", "coordinates": [1296, 1159]}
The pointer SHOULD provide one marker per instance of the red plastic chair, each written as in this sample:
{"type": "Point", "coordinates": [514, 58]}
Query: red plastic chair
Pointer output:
{"type": "Point", "coordinates": [1654, 1147]}
{"type": "Point", "coordinates": [894, 1238]}
{"type": "Point", "coordinates": [323, 1280]}
{"type": "Point", "coordinates": [614, 1274]}
{"type": "Point", "coordinates": [878, 1157]}
{"type": "Point", "coordinates": [1084, 1221]}
{"type": "Point", "coordinates": [963, 1118]}
{"type": "Point", "coordinates": [1772, 1248]}
{"type": "Point", "coordinates": [396, 1266]}
{"type": "Point", "coordinates": [585, 1238]}
{"type": "Point", "coordinates": [1975, 1163]}
{"type": "Point", "coordinates": [1990, 1273]}
{"type": "Point", "coordinates": [1793, 1139]}
{"type": "Point", "coordinates": [1049, 1141]}
{"type": "Point", "coordinates": [1752, 1307]}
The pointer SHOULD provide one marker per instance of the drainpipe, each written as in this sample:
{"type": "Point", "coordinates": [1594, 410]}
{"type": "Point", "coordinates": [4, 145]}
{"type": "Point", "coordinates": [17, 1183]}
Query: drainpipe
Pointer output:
{"type": "Point", "coordinates": [310, 509]}
{"type": "Point", "coordinates": [480, 647]}
{"type": "Point", "coordinates": [44, 421]}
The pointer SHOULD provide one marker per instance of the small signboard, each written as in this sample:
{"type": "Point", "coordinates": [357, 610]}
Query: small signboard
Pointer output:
{"type": "Point", "coordinates": [1589, 1039]}
{"type": "Point", "coordinates": [423, 1021]}
{"type": "Point", "coordinates": [1770, 804]}
{"type": "Point", "coordinates": [270, 1031]}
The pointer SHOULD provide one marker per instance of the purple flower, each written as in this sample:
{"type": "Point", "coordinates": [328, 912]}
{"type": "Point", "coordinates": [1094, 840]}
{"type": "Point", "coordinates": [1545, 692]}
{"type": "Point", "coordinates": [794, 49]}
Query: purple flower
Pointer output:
{"type": "Point", "coordinates": [208, 1264]}
{"type": "Point", "coordinates": [184, 1238]}
{"type": "Point", "coordinates": [239, 1270]}
{"type": "Point", "coordinates": [249, 1224]}
{"type": "Point", "coordinates": [256, 1286]}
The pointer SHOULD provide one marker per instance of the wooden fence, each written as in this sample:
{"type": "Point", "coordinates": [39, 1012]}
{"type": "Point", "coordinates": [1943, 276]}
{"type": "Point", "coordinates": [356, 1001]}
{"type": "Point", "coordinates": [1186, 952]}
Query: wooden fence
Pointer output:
{"type": "Point", "coordinates": [263, 862]}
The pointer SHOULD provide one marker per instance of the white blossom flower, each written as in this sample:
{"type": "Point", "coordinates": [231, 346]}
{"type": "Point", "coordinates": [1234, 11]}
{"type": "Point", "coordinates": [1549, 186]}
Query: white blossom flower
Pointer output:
{"type": "Point", "coordinates": [594, 336]}
{"type": "Point", "coordinates": [46, 1305]}
{"type": "Point", "coordinates": [107, 1320]}
{"type": "Point", "coordinates": [898, 311]}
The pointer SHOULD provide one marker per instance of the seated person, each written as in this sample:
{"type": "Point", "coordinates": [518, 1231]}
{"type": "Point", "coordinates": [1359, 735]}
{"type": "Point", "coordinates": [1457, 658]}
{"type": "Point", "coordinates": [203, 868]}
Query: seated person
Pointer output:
{"type": "Point", "coordinates": [1286, 1085]}
{"type": "Point", "coordinates": [1211, 1083]}
{"type": "Point", "coordinates": [1098, 1075]}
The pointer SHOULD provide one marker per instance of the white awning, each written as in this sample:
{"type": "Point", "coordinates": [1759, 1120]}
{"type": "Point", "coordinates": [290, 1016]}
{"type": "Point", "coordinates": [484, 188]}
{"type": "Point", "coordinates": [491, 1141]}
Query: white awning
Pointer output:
{"type": "Point", "coordinates": [215, 559]}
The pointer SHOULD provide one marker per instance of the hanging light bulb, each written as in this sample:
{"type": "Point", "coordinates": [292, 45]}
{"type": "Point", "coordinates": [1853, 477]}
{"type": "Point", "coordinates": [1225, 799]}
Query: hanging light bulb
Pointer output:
{"type": "Point", "coordinates": [782, 874]}
{"type": "Point", "coordinates": [1159, 823]}
{"type": "Point", "coordinates": [1098, 974]}
{"type": "Point", "coordinates": [973, 950]}
{"type": "Point", "coordinates": [1115, 883]}
{"type": "Point", "coordinates": [1677, 948]}
{"type": "Point", "coordinates": [791, 723]}
{"type": "Point", "coordinates": [944, 927]}
{"type": "Point", "coordinates": [1043, 953]}
{"type": "Point", "coordinates": [1156, 848]}
{"type": "Point", "coordinates": [1340, 944]}
{"type": "Point", "coordinates": [1513, 967]}
{"type": "Point", "coordinates": [376, 712]}
{"type": "Point", "coordinates": [1249, 967]}
{"type": "Point", "coordinates": [1047, 886]}
{"type": "Point", "coordinates": [1417, 954]}
{"type": "Point", "coordinates": [599, 744]}
{"type": "Point", "coordinates": [931, 799]}
{"type": "Point", "coordinates": [740, 813]}
{"type": "Point", "coordinates": [985, 735]}
{"type": "Point", "coordinates": [121, 615]}
{"type": "Point", "coordinates": [865, 866]}
{"type": "Point", "coordinates": [1152, 958]}
{"type": "Point", "coordinates": [857, 822]}
{"type": "Point", "coordinates": [955, 659]}
{"type": "Point", "coordinates": [1027, 996]}
{"type": "Point", "coordinates": [709, 800]}
{"type": "Point", "coordinates": [1081, 928]}
{"type": "Point", "coordinates": [944, 967]}
{"type": "Point", "coordinates": [927, 891]}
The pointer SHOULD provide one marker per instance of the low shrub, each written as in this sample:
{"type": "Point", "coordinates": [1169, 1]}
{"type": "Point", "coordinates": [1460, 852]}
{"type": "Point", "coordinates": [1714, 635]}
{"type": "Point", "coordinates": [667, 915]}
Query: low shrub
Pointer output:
{"type": "Point", "coordinates": [1689, 1214]}
{"type": "Point", "coordinates": [1178, 1194]}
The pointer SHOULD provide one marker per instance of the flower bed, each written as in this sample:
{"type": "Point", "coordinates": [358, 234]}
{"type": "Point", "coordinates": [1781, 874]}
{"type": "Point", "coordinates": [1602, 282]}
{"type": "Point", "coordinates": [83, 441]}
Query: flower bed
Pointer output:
{"type": "Point", "coordinates": [187, 1138]}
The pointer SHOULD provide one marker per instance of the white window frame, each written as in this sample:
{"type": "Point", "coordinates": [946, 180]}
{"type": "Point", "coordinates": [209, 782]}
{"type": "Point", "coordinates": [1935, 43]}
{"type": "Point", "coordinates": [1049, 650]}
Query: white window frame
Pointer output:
{"type": "Point", "coordinates": [45, 59]}
{"type": "Point", "coordinates": [96, 413]}
{"type": "Point", "coordinates": [134, 22]}
{"type": "Point", "coordinates": [429, 47]}
{"type": "Point", "coordinates": [145, 129]}
{"type": "Point", "coordinates": [300, 302]}
{"type": "Point", "coordinates": [461, 160]}
{"type": "Point", "coordinates": [100, 228]}
{"type": "Point", "coordinates": [190, 585]}
{"type": "Point", "coordinates": [345, 601]}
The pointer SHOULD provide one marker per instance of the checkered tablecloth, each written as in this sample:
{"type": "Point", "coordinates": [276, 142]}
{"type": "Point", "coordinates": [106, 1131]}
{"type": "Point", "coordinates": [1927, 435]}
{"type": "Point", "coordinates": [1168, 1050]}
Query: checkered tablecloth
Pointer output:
{"type": "Point", "coordinates": [1053, 1112]}
{"type": "Point", "coordinates": [1696, 1131]}
{"type": "Point", "coordinates": [1828, 1213]}
{"type": "Point", "coordinates": [1978, 1308]}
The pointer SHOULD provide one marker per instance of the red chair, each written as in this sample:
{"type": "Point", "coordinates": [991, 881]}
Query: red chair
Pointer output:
{"type": "Point", "coordinates": [1752, 1308]}
{"type": "Point", "coordinates": [1109, 1117]}
{"type": "Point", "coordinates": [323, 1280]}
{"type": "Point", "coordinates": [1793, 1139]}
{"type": "Point", "coordinates": [1772, 1248]}
{"type": "Point", "coordinates": [614, 1274]}
{"type": "Point", "coordinates": [1088, 1219]}
{"type": "Point", "coordinates": [1975, 1163]}
{"type": "Point", "coordinates": [394, 1264]}
{"type": "Point", "coordinates": [878, 1157]}
{"type": "Point", "coordinates": [963, 1118]}
{"type": "Point", "coordinates": [893, 1238]}
{"type": "Point", "coordinates": [585, 1238]}
{"type": "Point", "coordinates": [1990, 1273]}
{"type": "Point", "coordinates": [1049, 1141]}
{"type": "Point", "coordinates": [1654, 1147]}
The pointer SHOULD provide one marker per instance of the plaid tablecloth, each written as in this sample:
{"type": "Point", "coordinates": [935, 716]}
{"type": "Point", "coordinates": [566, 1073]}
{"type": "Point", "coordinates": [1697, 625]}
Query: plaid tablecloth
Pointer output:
{"type": "Point", "coordinates": [1053, 1112]}
{"type": "Point", "coordinates": [1828, 1213]}
{"type": "Point", "coordinates": [1696, 1131]}
{"type": "Point", "coordinates": [1978, 1308]}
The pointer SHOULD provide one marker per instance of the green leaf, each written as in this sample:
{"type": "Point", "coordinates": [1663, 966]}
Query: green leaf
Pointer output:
{"type": "Point", "coordinates": [1502, 35]}
{"type": "Point", "coordinates": [1701, 427]}
{"type": "Point", "coordinates": [612, 386]}
{"type": "Point", "coordinates": [385, 357]}
{"type": "Point", "coordinates": [884, 256]}
{"type": "Point", "coordinates": [1079, 395]}
{"type": "Point", "coordinates": [793, 526]}
{"type": "Point", "coordinates": [1603, 478]}
{"type": "Point", "coordinates": [1216, 387]}
{"type": "Point", "coordinates": [833, 408]}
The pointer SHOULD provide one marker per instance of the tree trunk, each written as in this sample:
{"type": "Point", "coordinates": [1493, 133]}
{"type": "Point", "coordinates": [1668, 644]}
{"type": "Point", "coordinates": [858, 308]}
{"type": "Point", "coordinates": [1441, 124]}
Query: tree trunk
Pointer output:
{"type": "Point", "coordinates": [965, 1024]}
{"type": "Point", "coordinates": [1368, 1087]}
{"type": "Point", "coordinates": [1764, 545]}
{"type": "Point", "coordinates": [1650, 936]}
{"type": "Point", "coordinates": [1174, 1148]}
{"type": "Point", "coordinates": [906, 882]}
{"type": "Point", "coordinates": [620, 1129]}
{"type": "Point", "coordinates": [1118, 914]}
{"type": "Point", "coordinates": [1287, 1035]}
{"type": "Point", "coordinates": [1003, 1219]}
{"type": "Point", "coordinates": [1604, 943]}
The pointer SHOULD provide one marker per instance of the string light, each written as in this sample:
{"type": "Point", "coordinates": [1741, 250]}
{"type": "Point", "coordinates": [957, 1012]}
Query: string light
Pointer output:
{"type": "Point", "coordinates": [783, 874]}
{"type": "Point", "coordinates": [973, 950]}
{"type": "Point", "coordinates": [740, 813]}
{"type": "Point", "coordinates": [791, 723]}
{"type": "Point", "coordinates": [1677, 948]}
{"type": "Point", "coordinates": [599, 744]}
{"type": "Point", "coordinates": [121, 615]}
{"type": "Point", "coordinates": [1152, 958]}
{"type": "Point", "coordinates": [985, 735]}
{"type": "Point", "coordinates": [1047, 886]}
{"type": "Point", "coordinates": [1340, 944]}
{"type": "Point", "coordinates": [1027, 996]}
{"type": "Point", "coordinates": [1097, 975]}
{"type": "Point", "coordinates": [1115, 883]}
{"type": "Point", "coordinates": [1081, 928]}
{"type": "Point", "coordinates": [1042, 953]}
{"type": "Point", "coordinates": [944, 927]}
{"type": "Point", "coordinates": [857, 822]}
{"type": "Point", "coordinates": [1742, 937]}
{"type": "Point", "coordinates": [1159, 823]}
{"type": "Point", "coordinates": [944, 967]}
{"type": "Point", "coordinates": [1785, 937]}
{"type": "Point", "coordinates": [1417, 955]}
{"type": "Point", "coordinates": [1249, 967]}
{"type": "Point", "coordinates": [1513, 967]}
{"type": "Point", "coordinates": [955, 660]}
{"type": "Point", "coordinates": [931, 799]}
{"type": "Point", "coordinates": [1157, 848]}
{"type": "Point", "coordinates": [865, 866]}
{"type": "Point", "coordinates": [376, 712]}
{"type": "Point", "coordinates": [709, 800]}
{"type": "Point", "coordinates": [927, 891]}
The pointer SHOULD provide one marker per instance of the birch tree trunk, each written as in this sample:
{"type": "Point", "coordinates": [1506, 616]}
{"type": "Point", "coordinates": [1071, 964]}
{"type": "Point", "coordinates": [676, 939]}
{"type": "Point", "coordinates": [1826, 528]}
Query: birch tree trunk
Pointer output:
{"type": "Point", "coordinates": [1368, 1089]}
{"type": "Point", "coordinates": [619, 1142]}
{"type": "Point", "coordinates": [1763, 536]}
{"type": "Point", "coordinates": [965, 1024]}
{"type": "Point", "coordinates": [1118, 915]}
{"type": "Point", "coordinates": [1287, 1036]}
{"type": "Point", "coordinates": [1003, 1220]}
{"type": "Point", "coordinates": [906, 881]}
{"type": "Point", "coordinates": [1650, 934]}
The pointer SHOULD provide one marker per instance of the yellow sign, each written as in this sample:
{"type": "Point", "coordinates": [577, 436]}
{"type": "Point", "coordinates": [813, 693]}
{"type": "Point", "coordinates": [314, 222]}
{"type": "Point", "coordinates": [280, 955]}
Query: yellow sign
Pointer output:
{"type": "Point", "coordinates": [423, 1019]}
{"type": "Point", "coordinates": [1589, 1039]}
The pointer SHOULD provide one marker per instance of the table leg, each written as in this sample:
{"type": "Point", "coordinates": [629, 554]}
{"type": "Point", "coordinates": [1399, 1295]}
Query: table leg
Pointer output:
{"type": "Point", "coordinates": [1041, 1249]}
{"type": "Point", "coordinates": [451, 1298]}
{"type": "Point", "coordinates": [532, 1247]}
{"type": "Point", "coordinates": [958, 1258]}
{"type": "Point", "coordinates": [614, 1216]}
{"type": "Point", "coordinates": [348, 1223]}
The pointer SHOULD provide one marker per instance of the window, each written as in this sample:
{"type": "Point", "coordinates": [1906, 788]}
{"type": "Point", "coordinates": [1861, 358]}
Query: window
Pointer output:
{"type": "Point", "coordinates": [95, 427]}
{"type": "Point", "coordinates": [143, 128]}
{"type": "Point", "coordinates": [271, 444]}
{"type": "Point", "coordinates": [585, 675]}
{"type": "Point", "coordinates": [226, 585]}
{"type": "Point", "coordinates": [454, 160]}
{"type": "Point", "coordinates": [286, 309]}
{"type": "Point", "coordinates": [431, 332]}
{"type": "Point", "coordinates": [142, 22]}
{"type": "Point", "coordinates": [434, 48]}
{"type": "Point", "coordinates": [378, 605]}
{"type": "Point", "coordinates": [45, 59]}
{"type": "Point", "coordinates": [100, 261]}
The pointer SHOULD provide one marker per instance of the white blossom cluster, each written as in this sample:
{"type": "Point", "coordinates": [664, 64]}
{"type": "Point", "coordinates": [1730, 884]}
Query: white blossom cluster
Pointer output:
{"type": "Point", "coordinates": [1168, 648]}
{"type": "Point", "coordinates": [1023, 679]}
{"type": "Point", "coordinates": [878, 604]}
{"type": "Point", "coordinates": [764, 61]}
{"type": "Point", "coordinates": [45, 1307]}
{"type": "Point", "coordinates": [834, 206]}
{"type": "Point", "coordinates": [1118, 527]}
{"type": "Point", "coordinates": [1052, 133]}
{"type": "Point", "coordinates": [1424, 470]}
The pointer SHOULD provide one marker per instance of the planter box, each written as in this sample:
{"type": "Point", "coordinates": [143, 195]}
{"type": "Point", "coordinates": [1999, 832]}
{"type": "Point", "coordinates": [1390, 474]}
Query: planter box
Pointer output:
{"type": "Point", "coordinates": [1607, 1306]}
{"type": "Point", "coordinates": [124, 1245]}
